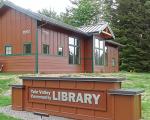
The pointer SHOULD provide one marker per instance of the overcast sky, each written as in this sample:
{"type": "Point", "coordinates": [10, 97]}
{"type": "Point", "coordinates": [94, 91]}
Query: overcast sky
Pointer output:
{"type": "Point", "coordinates": [35, 5]}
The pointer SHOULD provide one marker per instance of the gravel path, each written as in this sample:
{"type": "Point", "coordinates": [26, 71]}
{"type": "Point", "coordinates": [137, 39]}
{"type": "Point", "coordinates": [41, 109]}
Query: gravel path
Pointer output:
{"type": "Point", "coordinates": [23, 115]}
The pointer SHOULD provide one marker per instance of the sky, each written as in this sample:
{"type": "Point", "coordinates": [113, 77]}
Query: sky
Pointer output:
{"type": "Point", "coordinates": [35, 5]}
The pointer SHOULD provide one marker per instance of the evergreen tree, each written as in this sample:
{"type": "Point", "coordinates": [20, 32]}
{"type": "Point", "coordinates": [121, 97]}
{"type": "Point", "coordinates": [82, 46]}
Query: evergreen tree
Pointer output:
{"type": "Point", "coordinates": [131, 23]}
{"type": "Point", "coordinates": [49, 13]}
{"type": "Point", "coordinates": [84, 12]}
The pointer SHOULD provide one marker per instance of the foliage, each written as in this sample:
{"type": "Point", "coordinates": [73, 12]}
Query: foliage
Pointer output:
{"type": "Point", "coordinates": [130, 21]}
{"type": "Point", "coordinates": [49, 13]}
{"type": "Point", "coordinates": [83, 12]}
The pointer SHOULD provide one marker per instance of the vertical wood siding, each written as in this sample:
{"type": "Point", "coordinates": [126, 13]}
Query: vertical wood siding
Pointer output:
{"type": "Point", "coordinates": [112, 53]}
{"type": "Point", "coordinates": [12, 25]}
{"type": "Point", "coordinates": [53, 63]}
{"type": "Point", "coordinates": [88, 55]}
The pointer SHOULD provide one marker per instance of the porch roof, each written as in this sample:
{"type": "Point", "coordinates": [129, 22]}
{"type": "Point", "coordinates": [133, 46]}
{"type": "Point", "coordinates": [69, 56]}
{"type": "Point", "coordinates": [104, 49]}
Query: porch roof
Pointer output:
{"type": "Point", "coordinates": [97, 28]}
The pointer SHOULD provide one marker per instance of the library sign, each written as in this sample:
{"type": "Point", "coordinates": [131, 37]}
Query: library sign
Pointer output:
{"type": "Point", "coordinates": [73, 98]}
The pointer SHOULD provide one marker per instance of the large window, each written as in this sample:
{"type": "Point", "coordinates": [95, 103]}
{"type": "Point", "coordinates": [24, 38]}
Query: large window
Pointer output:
{"type": "Point", "coordinates": [99, 52]}
{"type": "Point", "coordinates": [74, 51]}
{"type": "Point", "coordinates": [27, 48]}
{"type": "Point", "coordinates": [45, 49]}
{"type": "Point", "coordinates": [8, 50]}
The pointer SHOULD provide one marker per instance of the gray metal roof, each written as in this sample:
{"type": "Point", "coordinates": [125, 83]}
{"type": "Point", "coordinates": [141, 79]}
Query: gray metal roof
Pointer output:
{"type": "Point", "coordinates": [94, 28]}
{"type": "Point", "coordinates": [98, 28]}
{"type": "Point", "coordinates": [41, 17]}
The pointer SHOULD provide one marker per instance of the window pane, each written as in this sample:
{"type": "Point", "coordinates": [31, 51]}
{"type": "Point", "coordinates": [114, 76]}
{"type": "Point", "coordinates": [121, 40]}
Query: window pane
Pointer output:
{"type": "Point", "coordinates": [77, 56]}
{"type": "Point", "coordinates": [60, 51]}
{"type": "Point", "coordinates": [74, 51]}
{"type": "Point", "coordinates": [71, 54]}
{"type": "Point", "coordinates": [96, 56]}
{"type": "Point", "coordinates": [27, 48]}
{"type": "Point", "coordinates": [106, 55]}
{"type": "Point", "coordinates": [101, 44]}
{"type": "Point", "coordinates": [101, 59]}
{"type": "Point", "coordinates": [46, 49]}
{"type": "Point", "coordinates": [77, 42]}
{"type": "Point", "coordinates": [113, 62]}
{"type": "Point", "coordinates": [71, 41]}
{"type": "Point", "coordinates": [8, 50]}
{"type": "Point", "coordinates": [96, 43]}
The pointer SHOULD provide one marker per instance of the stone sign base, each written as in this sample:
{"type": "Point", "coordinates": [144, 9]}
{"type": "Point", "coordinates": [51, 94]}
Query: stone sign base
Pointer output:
{"type": "Point", "coordinates": [78, 98]}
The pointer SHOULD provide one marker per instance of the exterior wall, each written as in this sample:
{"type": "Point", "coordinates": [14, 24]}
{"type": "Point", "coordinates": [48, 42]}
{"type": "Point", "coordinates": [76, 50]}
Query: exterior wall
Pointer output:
{"type": "Point", "coordinates": [12, 25]}
{"type": "Point", "coordinates": [88, 56]}
{"type": "Point", "coordinates": [52, 63]}
{"type": "Point", "coordinates": [112, 53]}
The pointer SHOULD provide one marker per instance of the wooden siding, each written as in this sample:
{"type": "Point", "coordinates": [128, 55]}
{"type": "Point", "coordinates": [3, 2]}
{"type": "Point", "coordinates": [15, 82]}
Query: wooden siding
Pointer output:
{"type": "Point", "coordinates": [24, 64]}
{"type": "Point", "coordinates": [53, 63]}
{"type": "Point", "coordinates": [88, 56]}
{"type": "Point", "coordinates": [12, 25]}
{"type": "Point", "coordinates": [112, 53]}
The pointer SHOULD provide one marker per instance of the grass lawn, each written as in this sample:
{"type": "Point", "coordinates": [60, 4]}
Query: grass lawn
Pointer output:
{"type": "Point", "coordinates": [4, 117]}
{"type": "Point", "coordinates": [134, 80]}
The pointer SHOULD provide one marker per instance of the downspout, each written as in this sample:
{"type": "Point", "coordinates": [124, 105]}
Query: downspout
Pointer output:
{"type": "Point", "coordinates": [37, 49]}
{"type": "Point", "coordinates": [36, 53]}
{"type": "Point", "coordinates": [93, 53]}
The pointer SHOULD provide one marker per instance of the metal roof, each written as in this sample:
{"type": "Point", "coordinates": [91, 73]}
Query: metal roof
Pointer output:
{"type": "Point", "coordinates": [94, 28]}
{"type": "Point", "coordinates": [98, 28]}
{"type": "Point", "coordinates": [41, 17]}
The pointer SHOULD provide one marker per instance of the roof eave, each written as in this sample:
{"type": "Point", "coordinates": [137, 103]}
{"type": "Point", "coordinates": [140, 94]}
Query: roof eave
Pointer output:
{"type": "Point", "coordinates": [41, 18]}
{"type": "Point", "coordinates": [115, 43]}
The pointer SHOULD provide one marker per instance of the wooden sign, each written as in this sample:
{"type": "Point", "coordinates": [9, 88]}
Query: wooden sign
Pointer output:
{"type": "Point", "coordinates": [71, 98]}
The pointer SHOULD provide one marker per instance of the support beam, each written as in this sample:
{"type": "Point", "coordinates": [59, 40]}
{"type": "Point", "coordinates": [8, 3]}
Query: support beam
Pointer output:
{"type": "Point", "coordinates": [107, 33]}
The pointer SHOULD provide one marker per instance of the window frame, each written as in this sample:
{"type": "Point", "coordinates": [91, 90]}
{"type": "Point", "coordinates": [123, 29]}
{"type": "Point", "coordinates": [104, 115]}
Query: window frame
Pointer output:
{"type": "Point", "coordinates": [11, 50]}
{"type": "Point", "coordinates": [76, 46]}
{"type": "Point", "coordinates": [113, 62]}
{"type": "Point", "coordinates": [48, 52]}
{"type": "Point", "coordinates": [61, 51]}
{"type": "Point", "coordinates": [24, 51]}
{"type": "Point", "coordinates": [106, 55]}
{"type": "Point", "coordinates": [99, 49]}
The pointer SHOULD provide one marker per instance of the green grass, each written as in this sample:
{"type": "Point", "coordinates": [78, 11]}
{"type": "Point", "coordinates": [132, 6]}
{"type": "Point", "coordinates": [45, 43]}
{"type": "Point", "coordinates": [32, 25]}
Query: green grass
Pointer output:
{"type": "Point", "coordinates": [5, 101]}
{"type": "Point", "coordinates": [4, 117]}
{"type": "Point", "coordinates": [134, 80]}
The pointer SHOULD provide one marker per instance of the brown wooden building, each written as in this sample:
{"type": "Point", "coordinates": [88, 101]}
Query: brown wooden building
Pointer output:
{"type": "Point", "coordinates": [31, 42]}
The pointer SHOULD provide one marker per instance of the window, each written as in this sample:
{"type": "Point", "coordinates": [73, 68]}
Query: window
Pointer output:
{"type": "Point", "coordinates": [106, 55]}
{"type": "Point", "coordinates": [99, 52]}
{"type": "Point", "coordinates": [27, 48]}
{"type": "Point", "coordinates": [113, 62]}
{"type": "Point", "coordinates": [45, 49]}
{"type": "Point", "coordinates": [74, 51]}
{"type": "Point", "coordinates": [60, 51]}
{"type": "Point", "coordinates": [8, 50]}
